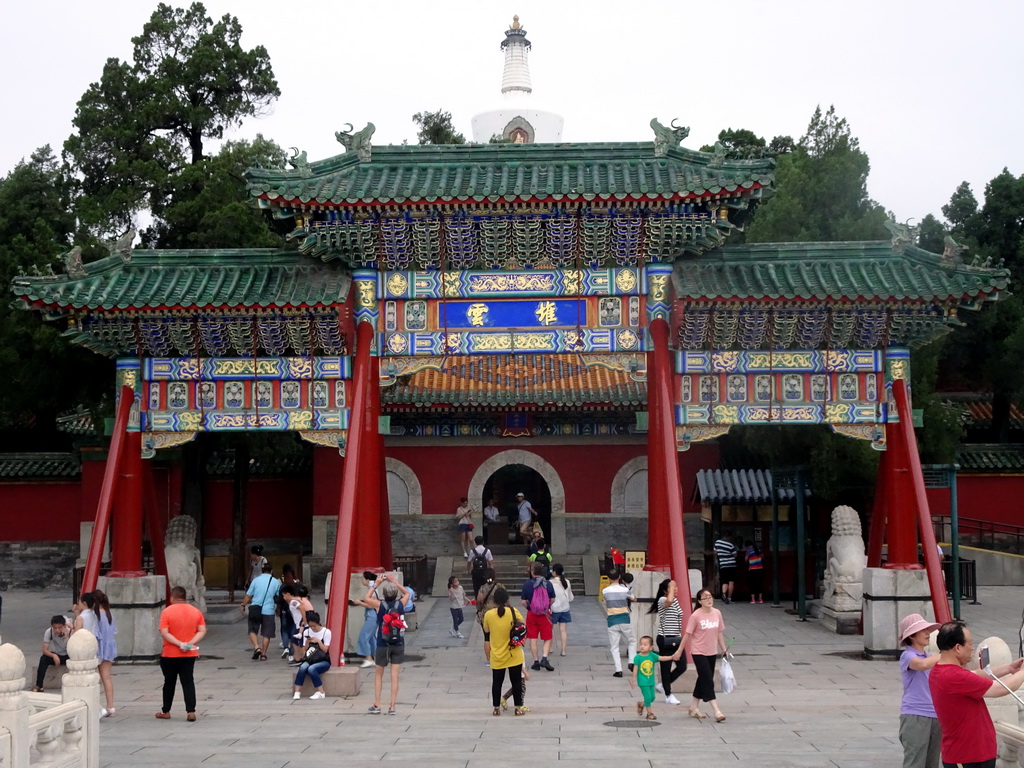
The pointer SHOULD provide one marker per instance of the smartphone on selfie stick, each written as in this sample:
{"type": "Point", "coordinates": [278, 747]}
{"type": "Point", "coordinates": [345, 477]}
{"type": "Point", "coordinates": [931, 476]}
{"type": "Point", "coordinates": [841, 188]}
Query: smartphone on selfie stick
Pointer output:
{"type": "Point", "coordinates": [983, 658]}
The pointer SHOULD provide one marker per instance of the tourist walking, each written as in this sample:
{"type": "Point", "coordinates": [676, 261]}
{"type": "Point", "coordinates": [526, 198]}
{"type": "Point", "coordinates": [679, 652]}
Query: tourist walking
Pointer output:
{"type": "Point", "coordinates": [391, 648]}
{"type": "Point", "coordinates": [669, 637]}
{"type": "Point", "coordinates": [55, 649]}
{"type": "Point", "coordinates": [537, 594]}
{"type": "Point", "coordinates": [256, 563]}
{"type": "Point", "coordinates": [705, 632]}
{"type": "Point", "coordinates": [182, 626]}
{"type": "Point", "coordinates": [755, 571]}
{"type": "Point", "coordinates": [456, 603]}
{"type": "Point", "coordinates": [616, 597]}
{"type": "Point", "coordinates": [504, 653]}
{"type": "Point", "coordinates": [725, 554]}
{"type": "Point", "coordinates": [464, 520]}
{"type": "Point", "coordinates": [542, 556]}
{"type": "Point", "coordinates": [480, 559]}
{"type": "Point", "coordinates": [259, 603]}
{"type": "Point", "coordinates": [968, 736]}
{"type": "Point", "coordinates": [485, 596]}
{"type": "Point", "coordinates": [286, 618]}
{"type": "Point", "coordinates": [526, 516]}
{"type": "Point", "coordinates": [561, 616]}
{"type": "Point", "coordinates": [643, 674]}
{"type": "Point", "coordinates": [920, 733]}
{"type": "Point", "coordinates": [315, 655]}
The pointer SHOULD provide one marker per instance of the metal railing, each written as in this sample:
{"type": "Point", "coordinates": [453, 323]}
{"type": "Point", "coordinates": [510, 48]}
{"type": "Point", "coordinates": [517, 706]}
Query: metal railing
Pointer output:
{"type": "Point", "coordinates": [983, 534]}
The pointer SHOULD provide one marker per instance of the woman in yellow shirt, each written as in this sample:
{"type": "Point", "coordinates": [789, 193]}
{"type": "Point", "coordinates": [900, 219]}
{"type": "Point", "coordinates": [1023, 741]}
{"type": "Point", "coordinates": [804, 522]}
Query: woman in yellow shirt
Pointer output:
{"type": "Point", "coordinates": [501, 654]}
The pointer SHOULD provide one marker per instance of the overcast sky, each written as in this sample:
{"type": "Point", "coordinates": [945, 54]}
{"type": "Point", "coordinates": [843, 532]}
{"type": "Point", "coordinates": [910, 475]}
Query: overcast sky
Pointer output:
{"type": "Point", "coordinates": [932, 89]}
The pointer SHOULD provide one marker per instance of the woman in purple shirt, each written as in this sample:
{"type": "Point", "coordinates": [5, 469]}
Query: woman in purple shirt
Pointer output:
{"type": "Point", "coordinates": [920, 734]}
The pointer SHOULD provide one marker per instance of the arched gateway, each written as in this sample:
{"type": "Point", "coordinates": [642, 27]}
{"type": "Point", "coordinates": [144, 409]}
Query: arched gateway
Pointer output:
{"type": "Point", "coordinates": [491, 291]}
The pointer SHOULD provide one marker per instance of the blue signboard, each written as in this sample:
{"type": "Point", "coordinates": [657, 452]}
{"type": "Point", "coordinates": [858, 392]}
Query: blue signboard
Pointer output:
{"type": "Point", "coordinates": [546, 313]}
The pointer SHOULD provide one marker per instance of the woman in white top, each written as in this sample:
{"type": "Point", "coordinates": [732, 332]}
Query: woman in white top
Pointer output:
{"type": "Point", "coordinates": [316, 635]}
{"type": "Point", "coordinates": [670, 631]}
{"type": "Point", "coordinates": [561, 617]}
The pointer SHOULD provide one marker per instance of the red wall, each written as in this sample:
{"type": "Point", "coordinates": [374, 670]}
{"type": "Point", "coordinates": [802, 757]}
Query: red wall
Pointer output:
{"type": "Point", "coordinates": [277, 508]}
{"type": "Point", "coordinates": [992, 498]}
{"type": "Point", "coordinates": [40, 511]}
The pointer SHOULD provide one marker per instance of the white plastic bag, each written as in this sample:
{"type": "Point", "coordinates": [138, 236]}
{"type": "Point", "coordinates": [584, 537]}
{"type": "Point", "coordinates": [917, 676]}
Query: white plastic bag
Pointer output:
{"type": "Point", "coordinates": [728, 677]}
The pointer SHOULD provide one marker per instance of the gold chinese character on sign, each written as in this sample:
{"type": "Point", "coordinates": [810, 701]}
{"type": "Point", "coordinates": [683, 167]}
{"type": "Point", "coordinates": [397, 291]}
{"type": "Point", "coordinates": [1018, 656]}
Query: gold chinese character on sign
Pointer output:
{"type": "Point", "coordinates": [546, 313]}
{"type": "Point", "coordinates": [476, 314]}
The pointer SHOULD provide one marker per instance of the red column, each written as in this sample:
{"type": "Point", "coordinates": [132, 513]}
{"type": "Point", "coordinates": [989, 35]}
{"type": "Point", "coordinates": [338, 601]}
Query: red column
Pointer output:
{"type": "Point", "coordinates": [876, 531]}
{"type": "Point", "coordinates": [110, 474]}
{"type": "Point", "coordinates": [342, 565]}
{"type": "Point", "coordinates": [901, 535]}
{"type": "Point", "coordinates": [126, 550]}
{"type": "Point", "coordinates": [366, 545]}
{"type": "Point", "coordinates": [386, 555]}
{"type": "Point", "coordinates": [157, 528]}
{"type": "Point", "coordinates": [665, 496]}
{"type": "Point", "coordinates": [936, 586]}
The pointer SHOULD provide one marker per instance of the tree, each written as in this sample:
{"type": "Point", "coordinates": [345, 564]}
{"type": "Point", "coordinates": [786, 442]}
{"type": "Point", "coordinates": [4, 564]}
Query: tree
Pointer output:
{"type": "Point", "coordinates": [437, 128]}
{"type": "Point", "coordinates": [821, 190]}
{"type": "Point", "coordinates": [143, 122]}
{"type": "Point", "coordinates": [743, 144]}
{"type": "Point", "coordinates": [40, 372]}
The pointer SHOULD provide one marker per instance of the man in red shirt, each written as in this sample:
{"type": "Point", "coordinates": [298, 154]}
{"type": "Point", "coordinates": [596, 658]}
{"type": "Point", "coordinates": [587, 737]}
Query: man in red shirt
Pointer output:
{"type": "Point", "coordinates": [968, 736]}
{"type": "Point", "coordinates": [182, 626]}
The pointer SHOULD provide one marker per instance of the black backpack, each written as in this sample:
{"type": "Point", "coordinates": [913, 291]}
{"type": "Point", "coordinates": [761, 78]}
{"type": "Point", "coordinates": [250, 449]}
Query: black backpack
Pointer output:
{"type": "Point", "coordinates": [544, 558]}
{"type": "Point", "coordinates": [479, 561]}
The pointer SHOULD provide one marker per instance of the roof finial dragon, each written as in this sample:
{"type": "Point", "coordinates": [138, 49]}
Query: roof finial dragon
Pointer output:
{"type": "Point", "coordinates": [665, 137]}
{"type": "Point", "coordinates": [358, 142]}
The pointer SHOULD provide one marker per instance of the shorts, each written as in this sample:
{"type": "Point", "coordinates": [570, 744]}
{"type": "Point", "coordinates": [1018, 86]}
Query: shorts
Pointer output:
{"type": "Point", "coordinates": [264, 627]}
{"type": "Point", "coordinates": [648, 694]}
{"type": "Point", "coordinates": [388, 653]}
{"type": "Point", "coordinates": [465, 527]}
{"type": "Point", "coordinates": [561, 617]}
{"type": "Point", "coordinates": [537, 626]}
{"type": "Point", "coordinates": [726, 575]}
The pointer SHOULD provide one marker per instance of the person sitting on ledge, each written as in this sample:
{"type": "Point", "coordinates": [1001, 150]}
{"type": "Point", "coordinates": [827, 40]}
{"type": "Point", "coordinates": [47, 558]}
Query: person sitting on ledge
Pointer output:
{"type": "Point", "coordinates": [55, 649]}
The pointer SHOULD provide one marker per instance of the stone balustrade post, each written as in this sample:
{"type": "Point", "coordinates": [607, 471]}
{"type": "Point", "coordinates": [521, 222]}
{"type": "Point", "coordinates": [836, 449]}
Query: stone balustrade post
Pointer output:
{"type": "Point", "coordinates": [82, 683]}
{"type": "Point", "coordinates": [14, 704]}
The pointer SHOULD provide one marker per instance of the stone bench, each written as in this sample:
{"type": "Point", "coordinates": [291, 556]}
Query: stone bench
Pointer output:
{"type": "Point", "coordinates": [52, 679]}
{"type": "Point", "coordinates": [342, 682]}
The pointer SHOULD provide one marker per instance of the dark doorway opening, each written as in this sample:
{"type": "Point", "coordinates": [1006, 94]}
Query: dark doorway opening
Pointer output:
{"type": "Point", "coordinates": [503, 486]}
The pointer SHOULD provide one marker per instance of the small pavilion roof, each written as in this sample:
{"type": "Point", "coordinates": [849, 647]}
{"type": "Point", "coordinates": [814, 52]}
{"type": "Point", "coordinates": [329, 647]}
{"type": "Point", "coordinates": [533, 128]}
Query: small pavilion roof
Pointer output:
{"type": "Point", "coordinates": [739, 486]}
{"type": "Point", "coordinates": [993, 458]}
{"type": "Point", "coordinates": [510, 173]}
{"type": "Point", "coordinates": [155, 279]}
{"type": "Point", "coordinates": [867, 270]}
{"type": "Point", "coordinates": [516, 381]}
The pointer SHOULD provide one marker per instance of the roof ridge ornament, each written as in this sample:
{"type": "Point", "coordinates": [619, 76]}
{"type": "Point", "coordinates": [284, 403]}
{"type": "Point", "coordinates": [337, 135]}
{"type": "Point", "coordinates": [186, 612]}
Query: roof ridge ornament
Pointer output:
{"type": "Point", "coordinates": [298, 161]}
{"type": "Point", "coordinates": [73, 263]}
{"type": "Point", "coordinates": [358, 142]}
{"type": "Point", "coordinates": [122, 246]}
{"type": "Point", "coordinates": [952, 251]}
{"type": "Point", "coordinates": [666, 137]}
{"type": "Point", "coordinates": [902, 234]}
{"type": "Point", "coordinates": [719, 155]}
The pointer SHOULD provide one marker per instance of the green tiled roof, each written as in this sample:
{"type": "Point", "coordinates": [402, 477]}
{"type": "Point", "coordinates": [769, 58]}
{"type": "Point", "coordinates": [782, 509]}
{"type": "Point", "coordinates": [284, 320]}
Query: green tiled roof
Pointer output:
{"type": "Point", "coordinates": [38, 466]}
{"type": "Point", "coordinates": [995, 457]}
{"type": "Point", "coordinates": [480, 172]}
{"type": "Point", "coordinates": [867, 270]}
{"type": "Point", "coordinates": [184, 278]}
{"type": "Point", "coordinates": [286, 465]}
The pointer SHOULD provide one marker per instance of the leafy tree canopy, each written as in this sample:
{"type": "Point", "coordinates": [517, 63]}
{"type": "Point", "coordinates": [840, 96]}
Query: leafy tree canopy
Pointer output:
{"type": "Point", "coordinates": [743, 144]}
{"type": "Point", "coordinates": [437, 128]}
{"type": "Point", "coordinates": [145, 120]}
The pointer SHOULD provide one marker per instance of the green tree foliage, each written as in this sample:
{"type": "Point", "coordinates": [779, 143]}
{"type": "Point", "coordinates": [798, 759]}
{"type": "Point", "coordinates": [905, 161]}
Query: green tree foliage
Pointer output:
{"type": "Point", "coordinates": [40, 372]}
{"type": "Point", "coordinates": [436, 128]}
{"type": "Point", "coordinates": [930, 234]}
{"type": "Point", "coordinates": [144, 121]}
{"type": "Point", "coordinates": [821, 190]}
{"type": "Point", "coordinates": [744, 144]}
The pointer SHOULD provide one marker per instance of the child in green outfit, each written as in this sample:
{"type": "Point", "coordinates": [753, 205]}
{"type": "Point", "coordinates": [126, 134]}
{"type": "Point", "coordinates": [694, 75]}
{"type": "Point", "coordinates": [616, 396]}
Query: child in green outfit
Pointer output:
{"type": "Point", "coordinates": [644, 664]}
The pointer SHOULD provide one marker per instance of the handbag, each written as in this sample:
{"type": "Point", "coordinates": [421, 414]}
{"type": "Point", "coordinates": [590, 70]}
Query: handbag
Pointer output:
{"type": "Point", "coordinates": [315, 654]}
{"type": "Point", "coordinates": [728, 676]}
{"type": "Point", "coordinates": [516, 635]}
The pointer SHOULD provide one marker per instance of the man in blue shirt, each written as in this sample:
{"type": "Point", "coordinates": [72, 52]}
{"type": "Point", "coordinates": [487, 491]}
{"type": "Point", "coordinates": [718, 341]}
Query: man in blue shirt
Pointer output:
{"type": "Point", "coordinates": [261, 594]}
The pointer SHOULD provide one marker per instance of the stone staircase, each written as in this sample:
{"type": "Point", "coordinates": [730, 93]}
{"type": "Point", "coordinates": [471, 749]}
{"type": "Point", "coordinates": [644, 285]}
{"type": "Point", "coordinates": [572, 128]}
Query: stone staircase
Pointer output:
{"type": "Point", "coordinates": [510, 567]}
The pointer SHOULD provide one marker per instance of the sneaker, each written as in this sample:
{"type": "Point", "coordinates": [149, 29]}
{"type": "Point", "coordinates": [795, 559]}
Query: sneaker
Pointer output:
{"type": "Point", "coordinates": [460, 636]}
{"type": "Point", "coordinates": [536, 665]}
{"type": "Point", "coordinates": [659, 688]}
{"type": "Point", "coordinates": [392, 711]}
{"type": "Point", "coordinates": [294, 663]}
{"type": "Point", "coordinates": [291, 658]}
{"type": "Point", "coordinates": [753, 601]}
{"type": "Point", "coordinates": [373, 710]}
{"type": "Point", "coordinates": [760, 602]}
{"type": "Point", "coordinates": [319, 695]}
{"type": "Point", "coordinates": [37, 689]}
{"type": "Point", "coordinates": [367, 663]}
{"type": "Point", "coordinates": [547, 665]}
{"type": "Point", "coordinates": [103, 712]}
{"type": "Point", "coordinates": [296, 696]}
{"type": "Point", "coordinates": [671, 699]}
{"type": "Point", "coordinates": [285, 654]}
{"type": "Point", "coordinates": [452, 632]}
{"type": "Point", "coordinates": [617, 674]}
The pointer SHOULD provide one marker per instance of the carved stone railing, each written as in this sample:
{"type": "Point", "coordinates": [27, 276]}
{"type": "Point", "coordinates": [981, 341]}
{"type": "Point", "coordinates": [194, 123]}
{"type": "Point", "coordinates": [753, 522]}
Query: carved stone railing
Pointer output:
{"type": "Point", "coordinates": [1005, 710]}
{"type": "Point", "coordinates": [40, 729]}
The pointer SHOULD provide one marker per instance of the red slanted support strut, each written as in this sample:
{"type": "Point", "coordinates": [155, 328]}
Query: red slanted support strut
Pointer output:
{"type": "Point", "coordinates": [936, 586]}
{"type": "Point", "coordinates": [366, 545]}
{"type": "Point", "coordinates": [338, 604]}
{"type": "Point", "coordinates": [664, 491]}
{"type": "Point", "coordinates": [126, 399]}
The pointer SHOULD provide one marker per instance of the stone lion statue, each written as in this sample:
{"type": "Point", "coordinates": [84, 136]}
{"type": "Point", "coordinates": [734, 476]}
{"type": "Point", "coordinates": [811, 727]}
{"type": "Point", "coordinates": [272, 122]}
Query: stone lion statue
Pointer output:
{"type": "Point", "coordinates": [184, 568]}
{"type": "Point", "coordinates": [845, 562]}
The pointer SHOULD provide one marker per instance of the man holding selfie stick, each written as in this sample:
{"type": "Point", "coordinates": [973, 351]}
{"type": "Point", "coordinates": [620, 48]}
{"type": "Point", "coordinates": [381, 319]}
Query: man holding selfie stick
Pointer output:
{"type": "Point", "coordinates": [968, 736]}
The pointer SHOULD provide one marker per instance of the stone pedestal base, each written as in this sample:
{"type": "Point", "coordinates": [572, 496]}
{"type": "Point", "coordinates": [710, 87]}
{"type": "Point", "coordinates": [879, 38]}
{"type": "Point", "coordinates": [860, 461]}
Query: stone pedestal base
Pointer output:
{"type": "Point", "coordinates": [343, 682]}
{"type": "Point", "coordinates": [136, 603]}
{"type": "Point", "coordinates": [889, 595]}
{"type": "Point", "coordinates": [840, 622]}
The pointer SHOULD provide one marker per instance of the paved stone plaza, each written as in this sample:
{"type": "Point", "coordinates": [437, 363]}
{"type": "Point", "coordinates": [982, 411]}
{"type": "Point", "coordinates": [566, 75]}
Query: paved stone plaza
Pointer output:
{"type": "Point", "coordinates": [804, 699]}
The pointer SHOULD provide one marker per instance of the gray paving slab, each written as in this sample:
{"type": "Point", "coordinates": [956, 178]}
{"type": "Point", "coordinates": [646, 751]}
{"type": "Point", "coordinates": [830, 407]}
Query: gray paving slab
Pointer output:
{"type": "Point", "coordinates": [805, 698]}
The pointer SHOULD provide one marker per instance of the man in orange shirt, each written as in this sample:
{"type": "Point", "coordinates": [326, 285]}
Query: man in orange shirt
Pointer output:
{"type": "Point", "coordinates": [182, 626]}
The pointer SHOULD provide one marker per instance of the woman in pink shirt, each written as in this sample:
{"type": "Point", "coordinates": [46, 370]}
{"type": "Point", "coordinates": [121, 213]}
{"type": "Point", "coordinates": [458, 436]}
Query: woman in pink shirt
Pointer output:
{"type": "Point", "coordinates": [705, 632]}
